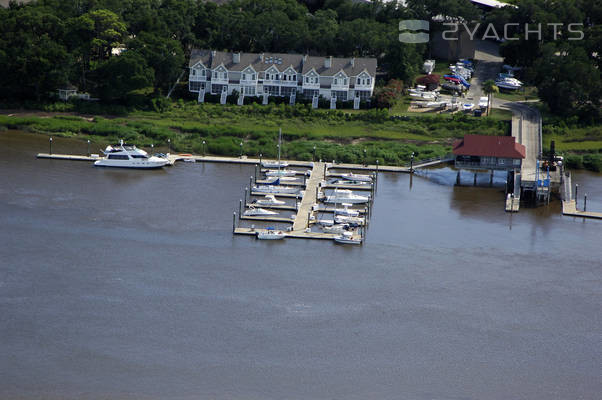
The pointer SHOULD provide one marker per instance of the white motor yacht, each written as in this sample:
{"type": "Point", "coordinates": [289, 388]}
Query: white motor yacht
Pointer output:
{"type": "Point", "coordinates": [281, 172]}
{"type": "Point", "coordinates": [129, 156]}
{"type": "Point", "coordinates": [353, 221]}
{"type": "Point", "coordinates": [357, 177]}
{"type": "Point", "coordinates": [269, 200]}
{"type": "Point", "coordinates": [254, 212]}
{"type": "Point", "coordinates": [346, 196]}
{"type": "Point", "coordinates": [346, 211]}
{"type": "Point", "coordinates": [275, 189]}
{"type": "Point", "coordinates": [271, 234]}
{"type": "Point", "coordinates": [348, 238]}
{"type": "Point", "coordinates": [338, 228]}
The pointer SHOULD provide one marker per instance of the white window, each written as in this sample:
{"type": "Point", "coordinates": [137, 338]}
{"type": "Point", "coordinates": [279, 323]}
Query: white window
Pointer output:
{"type": "Point", "coordinates": [254, 77]}
{"type": "Point", "coordinates": [202, 72]}
{"type": "Point", "coordinates": [224, 75]}
{"type": "Point", "coordinates": [336, 81]}
{"type": "Point", "coordinates": [345, 82]}
{"type": "Point", "coordinates": [367, 81]}
{"type": "Point", "coordinates": [214, 74]}
{"type": "Point", "coordinates": [193, 72]}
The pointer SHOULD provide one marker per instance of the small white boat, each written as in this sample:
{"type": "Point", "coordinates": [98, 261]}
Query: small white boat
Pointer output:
{"type": "Point", "coordinates": [425, 95]}
{"type": "Point", "coordinates": [269, 200]}
{"type": "Point", "coordinates": [346, 182]}
{"type": "Point", "coordinates": [325, 222]}
{"type": "Point", "coordinates": [353, 221]}
{"type": "Point", "coordinates": [275, 189]}
{"type": "Point", "coordinates": [347, 238]}
{"type": "Point", "coordinates": [357, 177]}
{"type": "Point", "coordinates": [346, 211]}
{"type": "Point", "coordinates": [271, 234]}
{"type": "Point", "coordinates": [274, 164]}
{"type": "Point", "coordinates": [338, 228]}
{"type": "Point", "coordinates": [346, 196]}
{"type": "Point", "coordinates": [128, 156]}
{"type": "Point", "coordinates": [281, 172]}
{"type": "Point", "coordinates": [254, 212]}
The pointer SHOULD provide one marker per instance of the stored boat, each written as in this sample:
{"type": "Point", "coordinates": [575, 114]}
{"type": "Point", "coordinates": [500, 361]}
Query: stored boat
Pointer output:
{"type": "Point", "coordinates": [128, 156]}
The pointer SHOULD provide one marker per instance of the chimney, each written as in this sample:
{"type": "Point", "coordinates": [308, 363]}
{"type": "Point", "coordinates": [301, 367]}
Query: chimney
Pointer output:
{"type": "Point", "coordinates": [328, 62]}
{"type": "Point", "coordinates": [261, 57]}
{"type": "Point", "coordinates": [352, 62]}
{"type": "Point", "coordinates": [236, 58]}
{"type": "Point", "coordinates": [213, 53]}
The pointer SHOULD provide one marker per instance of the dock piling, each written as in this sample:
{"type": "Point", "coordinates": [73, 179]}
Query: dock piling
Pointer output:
{"type": "Point", "coordinates": [576, 192]}
{"type": "Point", "coordinates": [50, 141]}
{"type": "Point", "coordinates": [251, 182]}
{"type": "Point", "coordinates": [233, 221]}
{"type": "Point", "coordinates": [256, 167]}
{"type": "Point", "coordinates": [246, 190]}
{"type": "Point", "coordinates": [239, 208]}
{"type": "Point", "coordinates": [585, 203]}
{"type": "Point", "coordinates": [88, 147]}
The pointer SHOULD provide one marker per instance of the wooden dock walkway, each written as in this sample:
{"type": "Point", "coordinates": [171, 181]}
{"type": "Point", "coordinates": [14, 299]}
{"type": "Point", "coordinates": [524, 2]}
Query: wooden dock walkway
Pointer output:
{"type": "Point", "coordinates": [512, 204]}
{"type": "Point", "coordinates": [569, 208]}
{"type": "Point", "coordinates": [309, 198]}
{"type": "Point", "coordinates": [289, 234]}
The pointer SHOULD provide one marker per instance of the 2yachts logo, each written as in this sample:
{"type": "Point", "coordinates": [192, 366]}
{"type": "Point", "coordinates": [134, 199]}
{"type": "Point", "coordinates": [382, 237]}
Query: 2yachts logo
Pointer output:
{"type": "Point", "coordinates": [414, 25]}
{"type": "Point", "coordinates": [530, 31]}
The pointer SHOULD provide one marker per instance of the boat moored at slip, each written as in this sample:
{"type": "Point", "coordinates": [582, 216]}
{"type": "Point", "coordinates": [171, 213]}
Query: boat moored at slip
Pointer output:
{"type": "Point", "coordinates": [275, 189]}
{"type": "Point", "coordinates": [281, 173]}
{"type": "Point", "coordinates": [269, 200]}
{"type": "Point", "coordinates": [338, 228]}
{"type": "Point", "coordinates": [129, 156]}
{"type": "Point", "coordinates": [346, 211]}
{"type": "Point", "coordinates": [351, 221]}
{"type": "Point", "coordinates": [255, 212]}
{"type": "Point", "coordinates": [271, 234]}
{"type": "Point", "coordinates": [348, 238]}
{"type": "Point", "coordinates": [346, 196]}
{"type": "Point", "coordinates": [356, 177]}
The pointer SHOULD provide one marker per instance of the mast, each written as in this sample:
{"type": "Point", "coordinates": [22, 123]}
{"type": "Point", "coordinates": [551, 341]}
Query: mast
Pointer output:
{"type": "Point", "coordinates": [279, 145]}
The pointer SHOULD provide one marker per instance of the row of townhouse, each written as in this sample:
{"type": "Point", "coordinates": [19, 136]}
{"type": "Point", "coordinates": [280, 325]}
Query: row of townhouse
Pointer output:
{"type": "Point", "coordinates": [271, 74]}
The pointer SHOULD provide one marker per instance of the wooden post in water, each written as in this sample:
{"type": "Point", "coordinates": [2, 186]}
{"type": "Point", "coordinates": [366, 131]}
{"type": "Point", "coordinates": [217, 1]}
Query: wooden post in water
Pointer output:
{"type": "Point", "coordinates": [246, 190]}
{"type": "Point", "coordinates": [233, 222]}
{"type": "Point", "coordinates": [88, 147]}
{"type": "Point", "coordinates": [475, 179]}
{"type": "Point", "coordinates": [458, 178]}
{"type": "Point", "coordinates": [50, 141]}
{"type": "Point", "coordinates": [251, 182]}
{"type": "Point", "coordinates": [239, 208]}
{"type": "Point", "coordinates": [491, 178]}
{"type": "Point", "coordinates": [576, 191]}
{"type": "Point", "coordinates": [255, 171]}
{"type": "Point", "coordinates": [260, 157]}
{"type": "Point", "coordinates": [585, 203]}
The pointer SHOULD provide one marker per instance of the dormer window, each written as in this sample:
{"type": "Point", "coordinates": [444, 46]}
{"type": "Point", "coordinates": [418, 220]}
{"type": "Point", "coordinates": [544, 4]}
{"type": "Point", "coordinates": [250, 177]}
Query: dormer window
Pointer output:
{"type": "Point", "coordinates": [202, 72]}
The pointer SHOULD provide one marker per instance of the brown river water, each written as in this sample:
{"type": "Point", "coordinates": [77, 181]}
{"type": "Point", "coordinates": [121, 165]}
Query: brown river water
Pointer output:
{"type": "Point", "coordinates": [120, 284]}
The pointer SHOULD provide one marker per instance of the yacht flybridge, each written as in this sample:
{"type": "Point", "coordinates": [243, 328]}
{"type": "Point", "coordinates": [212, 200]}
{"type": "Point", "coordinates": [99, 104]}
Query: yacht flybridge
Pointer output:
{"type": "Point", "coordinates": [129, 156]}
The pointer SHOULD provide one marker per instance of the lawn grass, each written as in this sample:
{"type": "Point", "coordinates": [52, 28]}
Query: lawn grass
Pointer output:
{"type": "Point", "coordinates": [524, 94]}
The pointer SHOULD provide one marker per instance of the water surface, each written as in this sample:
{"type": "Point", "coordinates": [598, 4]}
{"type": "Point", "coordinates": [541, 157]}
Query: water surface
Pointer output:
{"type": "Point", "coordinates": [129, 284]}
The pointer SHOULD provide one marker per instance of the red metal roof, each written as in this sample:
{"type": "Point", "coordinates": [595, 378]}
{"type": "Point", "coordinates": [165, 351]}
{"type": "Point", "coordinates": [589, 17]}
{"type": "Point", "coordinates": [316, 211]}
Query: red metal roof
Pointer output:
{"type": "Point", "coordinates": [489, 146]}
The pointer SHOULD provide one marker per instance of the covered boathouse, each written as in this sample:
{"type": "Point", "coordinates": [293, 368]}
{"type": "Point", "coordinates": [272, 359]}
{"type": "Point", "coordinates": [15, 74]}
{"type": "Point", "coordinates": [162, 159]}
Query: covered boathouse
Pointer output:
{"type": "Point", "coordinates": [489, 153]}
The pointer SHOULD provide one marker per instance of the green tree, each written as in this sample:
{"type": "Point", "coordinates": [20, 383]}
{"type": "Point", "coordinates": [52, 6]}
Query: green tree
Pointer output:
{"type": "Point", "coordinates": [164, 56]}
{"type": "Point", "coordinates": [121, 75]}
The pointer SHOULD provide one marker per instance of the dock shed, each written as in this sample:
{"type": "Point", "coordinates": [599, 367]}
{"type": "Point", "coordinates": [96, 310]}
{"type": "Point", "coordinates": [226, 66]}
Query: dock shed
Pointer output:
{"type": "Point", "coordinates": [488, 152]}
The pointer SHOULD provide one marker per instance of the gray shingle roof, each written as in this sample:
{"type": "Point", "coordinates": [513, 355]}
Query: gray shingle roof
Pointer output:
{"type": "Point", "coordinates": [303, 64]}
